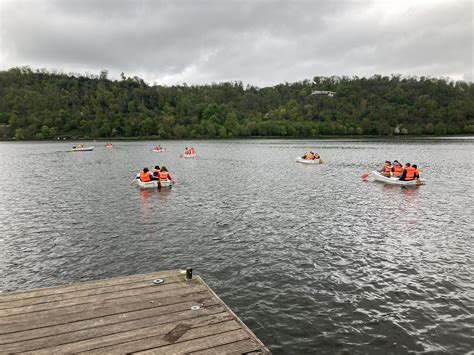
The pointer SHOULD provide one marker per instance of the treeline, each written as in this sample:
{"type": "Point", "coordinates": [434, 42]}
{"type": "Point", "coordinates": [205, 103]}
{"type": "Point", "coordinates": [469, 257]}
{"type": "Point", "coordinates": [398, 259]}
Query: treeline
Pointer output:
{"type": "Point", "coordinates": [44, 105]}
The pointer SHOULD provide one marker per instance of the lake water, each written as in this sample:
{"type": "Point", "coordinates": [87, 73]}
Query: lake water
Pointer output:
{"type": "Point", "coordinates": [311, 258]}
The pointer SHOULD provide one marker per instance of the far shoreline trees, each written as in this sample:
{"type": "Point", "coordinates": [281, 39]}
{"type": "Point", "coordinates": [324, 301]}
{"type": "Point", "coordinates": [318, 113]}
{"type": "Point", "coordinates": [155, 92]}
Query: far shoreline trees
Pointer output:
{"type": "Point", "coordinates": [43, 105]}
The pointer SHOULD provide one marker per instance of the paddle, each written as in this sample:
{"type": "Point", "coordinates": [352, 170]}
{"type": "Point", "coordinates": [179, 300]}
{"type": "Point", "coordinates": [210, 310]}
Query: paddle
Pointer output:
{"type": "Point", "coordinates": [365, 176]}
{"type": "Point", "coordinates": [131, 182]}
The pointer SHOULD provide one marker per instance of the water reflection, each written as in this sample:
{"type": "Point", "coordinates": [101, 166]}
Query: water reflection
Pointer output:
{"type": "Point", "coordinates": [146, 204]}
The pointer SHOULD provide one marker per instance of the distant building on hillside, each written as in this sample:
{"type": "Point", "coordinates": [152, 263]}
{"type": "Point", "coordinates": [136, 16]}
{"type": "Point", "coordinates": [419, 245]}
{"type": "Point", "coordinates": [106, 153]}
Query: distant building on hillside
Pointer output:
{"type": "Point", "coordinates": [328, 93]}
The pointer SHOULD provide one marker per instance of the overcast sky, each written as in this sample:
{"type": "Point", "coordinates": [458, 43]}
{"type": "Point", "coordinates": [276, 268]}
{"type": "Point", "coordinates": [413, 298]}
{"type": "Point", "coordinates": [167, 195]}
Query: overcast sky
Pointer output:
{"type": "Point", "coordinates": [257, 42]}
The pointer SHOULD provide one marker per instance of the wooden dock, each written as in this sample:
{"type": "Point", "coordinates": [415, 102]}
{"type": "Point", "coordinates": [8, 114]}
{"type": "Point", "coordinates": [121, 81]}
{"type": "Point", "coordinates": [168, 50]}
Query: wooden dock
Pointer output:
{"type": "Point", "coordinates": [170, 312]}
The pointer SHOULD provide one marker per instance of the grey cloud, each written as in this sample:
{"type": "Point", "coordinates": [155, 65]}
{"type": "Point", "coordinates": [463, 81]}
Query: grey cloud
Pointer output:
{"type": "Point", "coordinates": [258, 42]}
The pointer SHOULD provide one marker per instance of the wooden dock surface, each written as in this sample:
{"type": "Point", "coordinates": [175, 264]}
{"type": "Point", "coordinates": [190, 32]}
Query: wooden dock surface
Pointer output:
{"type": "Point", "coordinates": [124, 315]}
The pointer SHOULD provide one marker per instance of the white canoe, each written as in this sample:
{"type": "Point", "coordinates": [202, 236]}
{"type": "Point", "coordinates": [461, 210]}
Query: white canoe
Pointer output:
{"type": "Point", "coordinates": [157, 150]}
{"type": "Point", "coordinates": [153, 184]}
{"type": "Point", "coordinates": [85, 149]}
{"type": "Point", "coordinates": [395, 180]}
{"type": "Point", "coordinates": [307, 161]}
{"type": "Point", "coordinates": [189, 155]}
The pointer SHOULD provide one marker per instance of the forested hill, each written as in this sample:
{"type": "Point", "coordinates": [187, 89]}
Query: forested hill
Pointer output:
{"type": "Point", "coordinates": [43, 105]}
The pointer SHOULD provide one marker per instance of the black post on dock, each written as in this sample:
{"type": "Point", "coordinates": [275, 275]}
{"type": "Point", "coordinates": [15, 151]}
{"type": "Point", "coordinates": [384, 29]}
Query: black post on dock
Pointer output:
{"type": "Point", "coordinates": [189, 273]}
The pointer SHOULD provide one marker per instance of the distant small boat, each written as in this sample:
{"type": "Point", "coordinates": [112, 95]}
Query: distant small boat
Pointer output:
{"type": "Point", "coordinates": [109, 145]}
{"type": "Point", "coordinates": [157, 150]}
{"type": "Point", "coordinates": [82, 149]}
{"type": "Point", "coordinates": [395, 180]}
{"type": "Point", "coordinates": [308, 161]}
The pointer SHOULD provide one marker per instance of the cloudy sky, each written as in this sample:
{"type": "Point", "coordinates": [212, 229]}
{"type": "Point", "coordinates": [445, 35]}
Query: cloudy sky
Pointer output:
{"type": "Point", "coordinates": [257, 42]}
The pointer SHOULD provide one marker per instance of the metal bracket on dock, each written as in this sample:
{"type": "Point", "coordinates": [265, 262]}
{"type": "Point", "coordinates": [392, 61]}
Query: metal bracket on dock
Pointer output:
{"type": "Point", "coordinates": [158, 281]}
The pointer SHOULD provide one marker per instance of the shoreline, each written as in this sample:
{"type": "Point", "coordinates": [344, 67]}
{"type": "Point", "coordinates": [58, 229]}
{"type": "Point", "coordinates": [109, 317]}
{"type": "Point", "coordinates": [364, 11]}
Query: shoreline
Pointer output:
{"type": "Point", "coordinates": [334, 137]}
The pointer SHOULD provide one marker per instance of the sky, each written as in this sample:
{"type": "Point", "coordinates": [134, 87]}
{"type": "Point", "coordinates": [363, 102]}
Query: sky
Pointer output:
{"type": "Point", "coordinates": [258, 42]}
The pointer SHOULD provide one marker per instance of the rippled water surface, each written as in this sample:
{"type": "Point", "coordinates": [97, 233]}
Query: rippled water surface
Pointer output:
{"type": "Point", "coordinates": [310, 257]}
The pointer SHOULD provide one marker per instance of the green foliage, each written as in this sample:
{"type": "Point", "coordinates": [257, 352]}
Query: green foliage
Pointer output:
{"type": "Point", "coordinates": [42, 105]}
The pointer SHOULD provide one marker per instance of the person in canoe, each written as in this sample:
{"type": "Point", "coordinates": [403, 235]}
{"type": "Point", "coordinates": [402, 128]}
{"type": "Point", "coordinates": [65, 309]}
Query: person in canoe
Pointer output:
{"type": "Point", "coordinates": [308, 156]}
{"type": "Point", "coordinates": [192, 150]}
{"type": "Point", "coordinates": [164, 174]}
{"type": "Point", "coordinates": [417, 172]}
{"type": "Point", "coordinates": [410, 173]}
{"type": "Point", "coordinates": [145, 175]}
{"type": "Point", "coordinates": [156, 173]}
{"type": "Point", "coordinates": [397, 168]}
{"type": "Point", "coordinates": [387, 169]}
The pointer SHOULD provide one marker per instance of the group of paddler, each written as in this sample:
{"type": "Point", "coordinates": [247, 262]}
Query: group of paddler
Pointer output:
{"type": "Point", "coordinates": [404, 173]}
{"type": "Point", "coordinates": [159, 174]}
{"type": "Point", "coordinates": [311, 156]}
{"type": "Point", "coordinates": [189, 151]}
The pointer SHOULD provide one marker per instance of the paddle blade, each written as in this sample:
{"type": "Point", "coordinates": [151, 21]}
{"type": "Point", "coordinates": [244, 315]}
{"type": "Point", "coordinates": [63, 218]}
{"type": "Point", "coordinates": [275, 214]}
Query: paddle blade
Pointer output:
{"type": "Point", "coordinates": [365, 176]}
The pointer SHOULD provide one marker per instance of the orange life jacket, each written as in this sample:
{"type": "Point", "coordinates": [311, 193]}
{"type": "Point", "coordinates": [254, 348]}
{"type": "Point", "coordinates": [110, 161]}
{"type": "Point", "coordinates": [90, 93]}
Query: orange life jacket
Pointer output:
{"type": "Point", "coordinates": [387, 169]}
{"type": "Point", "coordinates": [164, 176]}
{"type": "Point", "coordinates": [397, 170]}
{"type": "Point", "coordinates": [309, 157]}
{"type": "Point", "coordinates": [410, 173]}
{"type": "Point", "coordinates": [417, 173]}
{"type": "Point", "coordinates": [145, 177]}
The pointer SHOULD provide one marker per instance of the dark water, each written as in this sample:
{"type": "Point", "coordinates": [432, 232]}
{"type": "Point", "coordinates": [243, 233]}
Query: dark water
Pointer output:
{"type": "Point", "coordinates": [310, 257]}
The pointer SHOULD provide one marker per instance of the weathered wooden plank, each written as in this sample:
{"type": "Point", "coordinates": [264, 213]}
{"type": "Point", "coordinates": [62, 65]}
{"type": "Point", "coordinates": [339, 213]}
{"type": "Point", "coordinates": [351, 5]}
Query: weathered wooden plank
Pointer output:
{"type": "Point", "coordinates": [239, 347]}
{"type": "Point", "coordinates": [87, 292]}
{"type": "Point", "coordinates": [177, 336]}
{"type": "Point", "coordinates": [126, 312]}
{"type": "Point", "coordinates": [11, 296]}
{"type": "Point", "coordinates": [169, 313]}
{"type": "Point", "coordinates": [201, 342]}
{"type": "Point", "coordinates": [87, 310]}
{"type": "Point", "coordinates": [90, 339]}
{"type": "Point", "coordinates": [60, 306]}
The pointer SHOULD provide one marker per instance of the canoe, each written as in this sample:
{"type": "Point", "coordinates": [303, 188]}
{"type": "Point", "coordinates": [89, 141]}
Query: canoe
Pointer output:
{"type": "Point", "coordinates": [157, 150]}
{"type": "Point", "coordinates": [395, 180]}
{"type": "Point", "coordinates": [85, 149]}
{"type": "Point", "coordinates": [153, 184]}
{"type": "Point", "coordinates": [306, 161]}
{"type": "Point", "coordinates": [189, 155]}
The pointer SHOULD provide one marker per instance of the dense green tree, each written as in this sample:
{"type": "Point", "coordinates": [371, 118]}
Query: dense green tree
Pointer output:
{"type": "Point", "coordinates": [42, 105]}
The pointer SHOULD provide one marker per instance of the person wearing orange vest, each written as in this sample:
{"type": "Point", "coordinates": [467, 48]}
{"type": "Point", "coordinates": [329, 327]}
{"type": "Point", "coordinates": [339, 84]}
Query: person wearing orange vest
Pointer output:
{"type": "Point", "coordinates": [417, 172]}
{"type": "Point", "coordinates": [145, 175]}
{"type": "Point", "coordinates": [397, 168]}
{"type": "Point", "coordinates": [409, 173]}
{"type": "Point", "coordinates": [164, 174]}
{"type": "Point", "coordinates": [387, 169]}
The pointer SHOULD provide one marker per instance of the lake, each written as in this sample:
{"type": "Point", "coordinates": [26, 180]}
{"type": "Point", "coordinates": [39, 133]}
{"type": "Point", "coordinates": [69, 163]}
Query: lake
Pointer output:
{"type": "Point", "coordinates": [312, 258]}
